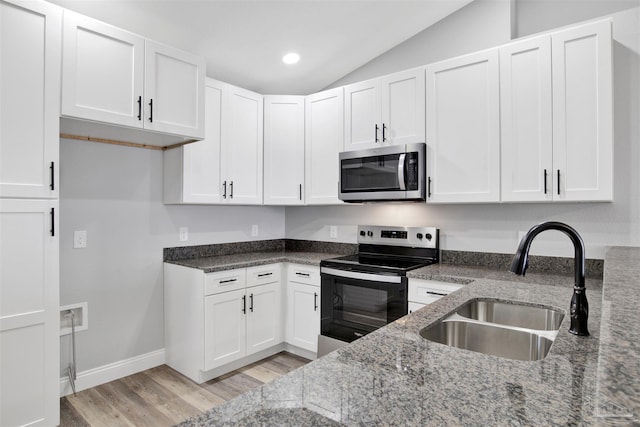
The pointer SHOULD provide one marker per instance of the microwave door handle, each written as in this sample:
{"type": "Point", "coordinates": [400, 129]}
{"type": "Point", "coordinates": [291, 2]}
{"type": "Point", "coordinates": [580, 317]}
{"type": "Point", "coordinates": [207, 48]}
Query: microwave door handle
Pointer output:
{"type": "Point", "coordinates": [401, 179]}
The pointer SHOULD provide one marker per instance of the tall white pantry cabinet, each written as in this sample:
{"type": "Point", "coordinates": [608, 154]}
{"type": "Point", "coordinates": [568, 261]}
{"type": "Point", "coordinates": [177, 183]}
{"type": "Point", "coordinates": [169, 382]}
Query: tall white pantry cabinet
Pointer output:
{"type": "Point", "coordinates": [30, 52]}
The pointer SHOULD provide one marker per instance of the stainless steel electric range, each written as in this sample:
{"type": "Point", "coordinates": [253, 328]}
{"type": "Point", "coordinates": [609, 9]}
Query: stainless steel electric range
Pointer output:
{"type": "Point", "coordinates": [362, 292]}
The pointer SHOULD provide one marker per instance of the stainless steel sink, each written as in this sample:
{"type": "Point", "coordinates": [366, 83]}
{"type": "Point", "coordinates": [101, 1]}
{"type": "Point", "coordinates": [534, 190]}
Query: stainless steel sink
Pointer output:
{"type": "Point", "coordinates": [512, 314]}
{"type": "Point", "coordinates": [489, 339]}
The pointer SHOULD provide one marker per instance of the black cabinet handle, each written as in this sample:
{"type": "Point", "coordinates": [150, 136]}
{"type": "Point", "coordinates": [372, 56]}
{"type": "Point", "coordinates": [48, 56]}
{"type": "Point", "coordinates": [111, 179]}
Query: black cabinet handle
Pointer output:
{"type": "Point", "coordinates": [265, 274]}
{"type": "Point", "coordinates": [300, 191]}
{"type": "Point", "coordinates": [228, 281]}
{"type": "Point", "coordinates": [52, 178]}
{"type": "Point", "coordinates": [244, 304]}
{"type": "Point", "coordinates": [53, 222]}
{"type": "Point", "coordinates": [558, 181]}
{"type": "Point", "coordinates": [437, 293]}
{"type": "Point", "coordinates": [377, 139]}
{"type": "Point", "coordinates": [151, 110]}
{"type": "Point", "coordinates": [429, 187]}
{"type": "Point", "coordinates": [224, 185]}
{"type": "Point", "coordinates": [140, 107]}
{"type": "Point", "coordinates": [384, 137]}
{"type": "Point", "coordinates": [231, 190]}
{"type": "Point", "coordinates": [251, 303]}
{"type": "Point", "coordinates": [302, 274]}
{"type": "Point", "coordinates": [545, 181]}
{"type": "Point", "coordinates": [315, 301]}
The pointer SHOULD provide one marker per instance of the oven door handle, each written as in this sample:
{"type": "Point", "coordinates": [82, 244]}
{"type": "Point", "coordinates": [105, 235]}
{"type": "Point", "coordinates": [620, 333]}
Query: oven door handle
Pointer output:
{"type": "Point", "coordinates": [401, 179]}
{"type": "Point", "coordinates": [361, 276]}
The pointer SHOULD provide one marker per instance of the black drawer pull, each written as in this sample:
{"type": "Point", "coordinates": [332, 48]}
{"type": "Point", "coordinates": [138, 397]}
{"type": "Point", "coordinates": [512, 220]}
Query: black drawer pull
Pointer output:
{"type": "Point", "coordinates": [265, 274]}
{"type": "Point", "coordinates": [227, 281]}
{"type": "Point", "coordinates": [302, 274]}
{"type": "Point", "coordinates": [437, 293]}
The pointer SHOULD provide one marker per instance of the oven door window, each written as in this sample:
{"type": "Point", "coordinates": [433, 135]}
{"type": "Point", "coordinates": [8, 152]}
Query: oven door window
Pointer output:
{"type": "Point", "coordinates": [352, 308]}
{"type": "Point", "coordinates": [378, 173]}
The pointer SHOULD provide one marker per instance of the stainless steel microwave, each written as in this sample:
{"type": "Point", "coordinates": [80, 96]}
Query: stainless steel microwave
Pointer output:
{"type": "Point", "coordinates": [389, 173]}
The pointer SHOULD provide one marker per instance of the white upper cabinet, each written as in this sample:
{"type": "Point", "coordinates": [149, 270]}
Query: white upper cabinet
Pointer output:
{"type": "Point", "coordinates": [526, 120]}
{"type": "Point", "coordinates": [583, 112]}
{"type": "Point", "coordinates": [283, 150]}
{"type": "Point", "coordinates": [242, 147]}
{"type": "Point", "coordinates": [324, 132]}
{"type": "Point", "coordinates": [556, 106]}
{"type": "Point", "coordinates": [173, 87]}
{"type": "Point", "coordinates": [103, 72]}
{"type": "Point", "coordinates": [115, 77]}
{"type": "Point", "coordinates": [384, 111]}
{"type": "Point", "coordinates": [30, 44]}
{"type": "Point", "coordinates": [463, 129]}
{"type": "Point", "coordinates": [192, 171]}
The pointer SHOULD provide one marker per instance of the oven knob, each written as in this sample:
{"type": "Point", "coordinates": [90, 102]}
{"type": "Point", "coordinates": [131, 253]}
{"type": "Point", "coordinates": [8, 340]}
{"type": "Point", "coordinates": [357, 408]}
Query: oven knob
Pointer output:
{"type": "Point", "coordinates": [428, 236]}
{"type": "Point", "coordinates": [419, 236]}
{"type": "Point", "coordinates": [370, 233]}
{"type": "Point", "coordinates": [362, 233]}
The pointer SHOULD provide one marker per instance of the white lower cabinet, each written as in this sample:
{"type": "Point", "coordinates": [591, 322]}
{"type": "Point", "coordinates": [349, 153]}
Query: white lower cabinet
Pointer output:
{"type": "Point", "coordinates": [303, 307]}
{"type": "Point", "coordinates": [424, 292]}
{"type": "Point", "coordinates": [215, 322]}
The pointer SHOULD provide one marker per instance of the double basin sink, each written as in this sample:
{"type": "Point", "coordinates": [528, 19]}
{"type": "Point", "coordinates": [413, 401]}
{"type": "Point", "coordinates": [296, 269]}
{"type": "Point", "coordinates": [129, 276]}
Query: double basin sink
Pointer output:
{"type": "Point", "coordinates": [499, 328]}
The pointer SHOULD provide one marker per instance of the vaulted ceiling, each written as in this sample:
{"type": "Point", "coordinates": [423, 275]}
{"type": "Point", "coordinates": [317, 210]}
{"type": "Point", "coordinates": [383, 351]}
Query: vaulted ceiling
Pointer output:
{"type": "Point", "coordinates": [243, 41]}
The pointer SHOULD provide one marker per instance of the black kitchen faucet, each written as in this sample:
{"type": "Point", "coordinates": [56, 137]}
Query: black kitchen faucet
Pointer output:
{"type": "Point", "coordinates": [579, 309]}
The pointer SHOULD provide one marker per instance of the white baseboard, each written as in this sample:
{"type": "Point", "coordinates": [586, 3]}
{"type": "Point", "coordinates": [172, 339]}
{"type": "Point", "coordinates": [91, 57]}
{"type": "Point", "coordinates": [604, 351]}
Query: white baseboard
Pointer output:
{"type": "Point", "coordinates": [113, 371]}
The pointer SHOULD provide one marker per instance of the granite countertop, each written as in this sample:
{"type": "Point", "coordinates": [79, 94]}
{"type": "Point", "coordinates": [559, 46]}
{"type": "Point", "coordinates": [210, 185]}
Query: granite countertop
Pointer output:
{"type": "Point", "coordinates": [394, 377]}
{"type": "Point", "coordinates": [250, 259]}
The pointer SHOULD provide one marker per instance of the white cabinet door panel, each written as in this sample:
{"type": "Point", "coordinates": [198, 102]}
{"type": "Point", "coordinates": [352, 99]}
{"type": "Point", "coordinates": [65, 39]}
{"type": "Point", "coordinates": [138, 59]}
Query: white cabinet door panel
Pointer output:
{"type": "Point", "coordinates": [303, 322]}
{"type": "Point", "coordinates": [224, 328]}
{"type": "Point", "coordinates": [403, 107]}
{"type": "Point", "coordinates": [582, 112]}
{"type": "Point", "coordinates": [103, 70]}
{"type": "Point", "coordinates": [174, 91]}
{"type": "Point", "coordinates": [264, 317]}
{"type": "Point", "coordinates": [324, 136]}
{"type": "Point", "coordinates": [362, 115]}
{"type": "Point", "coordinates": [283, 150]}
{"type": "Point", "coordinates": [29, 99]}
{"type": "Point", "coordinates": [463, 129]}
{"type": "Point", "coordinates": [526, 122]}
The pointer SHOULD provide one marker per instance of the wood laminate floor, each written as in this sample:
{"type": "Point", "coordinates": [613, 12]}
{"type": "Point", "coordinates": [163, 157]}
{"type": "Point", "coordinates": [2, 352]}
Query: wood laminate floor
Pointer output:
{"type": "Point", "coordinates": [163, 397]}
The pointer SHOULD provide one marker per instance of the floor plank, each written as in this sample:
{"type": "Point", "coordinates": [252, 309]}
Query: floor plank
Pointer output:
{"type": "Point", "coordinates": [161, 396]}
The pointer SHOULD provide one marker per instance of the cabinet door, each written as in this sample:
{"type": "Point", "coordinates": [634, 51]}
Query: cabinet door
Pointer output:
{"type": "Point", "coordinates": [30, 44]}
{"type": "Point", "coordinates": [303, 315]}
{"type": "Point", "coordinates": [264, 317]}
{"type": "Point", "coordinates": [526, 125]}
{"type": "Point", "coordinates": [323, 142]}
{"type": "Point", "coordinates": [29, 323]}
{"type": "Point", "coordinates": [283, 150]}
{"type": "Point", "coordinates": [192, 171]}
{"type": "Point", "coordinates": [582, 112]}
{"type": "Point", "coordinates": [224, 328]}
{"type": "Point", "coordinates": [242, 146]}
{"type": "Point", "coordinates": [463, 129]}
{"type": "Point", "coordinates": [174, 91]}
{"type": "Point", "coordinates": [362, 125]}
{"type": "Point", "coordinates": [403, 107]}
{"type": "Point", "coordinates": [103, 71]}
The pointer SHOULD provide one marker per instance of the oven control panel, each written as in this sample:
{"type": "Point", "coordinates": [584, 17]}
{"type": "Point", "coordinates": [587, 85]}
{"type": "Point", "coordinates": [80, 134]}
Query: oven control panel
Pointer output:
{"type": "Point", "coordinates": [422, 237]}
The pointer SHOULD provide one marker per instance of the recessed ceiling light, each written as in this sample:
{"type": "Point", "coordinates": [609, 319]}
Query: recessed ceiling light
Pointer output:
{"type": "Point", "coordinates": [291, 58]}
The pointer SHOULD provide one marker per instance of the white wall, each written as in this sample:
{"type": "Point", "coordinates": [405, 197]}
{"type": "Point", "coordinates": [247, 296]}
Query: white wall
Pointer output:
{"type": "Point", "coordinates": [479, 25]}
{"type": "Point", "coordinates": [496, 227]}
{"type": "Point", "coordinates": [115, 194]}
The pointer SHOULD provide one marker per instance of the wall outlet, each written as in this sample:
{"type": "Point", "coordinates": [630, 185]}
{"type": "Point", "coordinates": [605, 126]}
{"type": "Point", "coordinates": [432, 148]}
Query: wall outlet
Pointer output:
{"type": "Point", "coordinates": [79, 239]}
{"type": "Point", "coordinates": [184, 234]}
{"type": "Point", "coordinates": [80, 318]}
{"type": "Point", "coordinates": [333, 232]}
{"type": "Point", "coordinates": [254, 230]}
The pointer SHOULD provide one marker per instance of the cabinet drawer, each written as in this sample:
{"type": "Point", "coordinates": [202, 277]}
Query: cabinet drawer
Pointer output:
{"type": "Point", "coordinates": [304, 274]}
{"type": "Point", "coordinates": [263, 274]}
{"type": "Point", "coordinates": [428, 291]}
{"type": "Point", "coordinates": [223, 281]}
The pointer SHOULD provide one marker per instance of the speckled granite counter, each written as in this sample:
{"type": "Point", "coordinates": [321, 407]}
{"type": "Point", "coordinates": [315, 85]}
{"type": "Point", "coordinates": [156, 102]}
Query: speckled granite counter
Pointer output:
{"type": "Point", "coordinates": [394, 377]}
